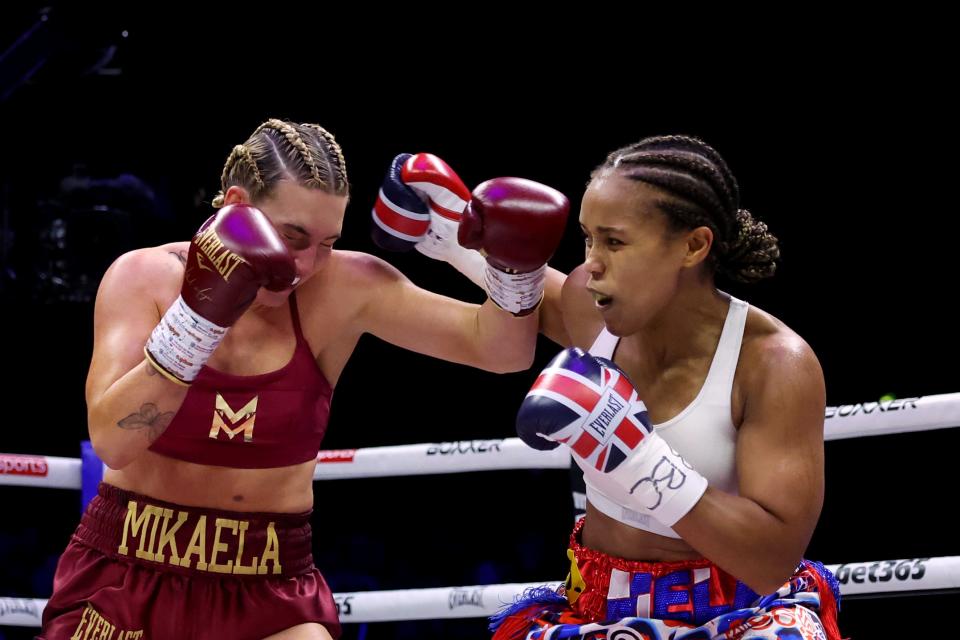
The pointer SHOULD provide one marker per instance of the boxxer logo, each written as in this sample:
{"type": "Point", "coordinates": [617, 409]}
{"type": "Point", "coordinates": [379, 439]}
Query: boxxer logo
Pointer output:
{"type": "Point", "coordinates": [243, 420]}
{"type": "Point", "coordinates": [464, 446]}
{"type": "Point", "coordinates": [867, 408]}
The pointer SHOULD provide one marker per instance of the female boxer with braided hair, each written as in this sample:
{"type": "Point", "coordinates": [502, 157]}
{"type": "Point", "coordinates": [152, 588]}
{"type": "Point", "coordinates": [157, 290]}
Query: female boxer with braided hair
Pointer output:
{"type": "Point", "coordinates": [209, 389]}
{"type": "Point", "coordinates": [705, 483]}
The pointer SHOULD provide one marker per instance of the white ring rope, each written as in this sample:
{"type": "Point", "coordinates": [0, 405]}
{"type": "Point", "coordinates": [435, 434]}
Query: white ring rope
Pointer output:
{"type": "Point", "coordinates": [440, 457]}
{"type": "Point", "coordinates": [844, 421]}
{"type": "Point", "coordinates": [856, 579]}
{"type": "Point", "coordinates": [905, 415]}
{"type": "Point", "coordinates": [40, 471]}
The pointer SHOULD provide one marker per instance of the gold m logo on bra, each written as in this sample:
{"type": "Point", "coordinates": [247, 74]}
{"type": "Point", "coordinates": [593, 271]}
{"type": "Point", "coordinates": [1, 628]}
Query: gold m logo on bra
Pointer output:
{"type": "Point", "coordinates": [242, 420]}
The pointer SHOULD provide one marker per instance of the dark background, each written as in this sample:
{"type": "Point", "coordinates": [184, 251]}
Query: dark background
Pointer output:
{"type": "Point", "coordinates": [844, 147]}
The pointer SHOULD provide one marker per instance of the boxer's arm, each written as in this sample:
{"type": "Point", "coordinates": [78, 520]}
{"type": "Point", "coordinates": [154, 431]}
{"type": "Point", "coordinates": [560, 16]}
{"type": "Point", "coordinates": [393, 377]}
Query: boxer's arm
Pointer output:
{"type": "Point", "coordinates": [483, 336]}
{"type": "Point", "coordinates": [761, 534]}
{"type": "Point", "coordinates": [129, 404]}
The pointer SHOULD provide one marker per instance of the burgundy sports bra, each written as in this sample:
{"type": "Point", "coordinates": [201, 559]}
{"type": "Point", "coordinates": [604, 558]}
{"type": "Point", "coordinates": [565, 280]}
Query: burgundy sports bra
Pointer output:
{"type": "Point", "coordinates": [275, 419]}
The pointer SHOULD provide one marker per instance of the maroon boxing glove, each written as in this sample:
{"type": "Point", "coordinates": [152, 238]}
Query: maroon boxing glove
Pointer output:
{"type": "Point", "coordinates": [233, 254]}
{"type": "Point", "coordinates": [517, 224]}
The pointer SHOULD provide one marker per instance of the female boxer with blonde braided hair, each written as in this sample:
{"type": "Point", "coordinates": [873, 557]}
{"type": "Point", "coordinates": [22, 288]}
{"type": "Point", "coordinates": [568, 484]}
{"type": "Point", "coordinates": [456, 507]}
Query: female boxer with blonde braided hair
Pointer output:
{"type": "Point", "coordinates": [703, 487]}
{"type": "Point", "coordinates": [209, 391]}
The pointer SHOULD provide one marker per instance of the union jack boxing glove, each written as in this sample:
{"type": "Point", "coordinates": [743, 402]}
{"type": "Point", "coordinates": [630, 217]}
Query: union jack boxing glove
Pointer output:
{"type": "Point", "coordinates": [589, 405]}
{"type": "Point", "coordinates": [420, 206]}
{"type": "Point", "coordinates": [500, 236]}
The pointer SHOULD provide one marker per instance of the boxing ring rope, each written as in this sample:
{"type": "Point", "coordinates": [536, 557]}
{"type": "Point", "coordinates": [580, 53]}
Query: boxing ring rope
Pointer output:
{"type": "Point", "coordinates": [884, 578]}
{"type": "Point", "coordinates": [845, 421]}
{"type": "Point", "coordinates": [858, 580]}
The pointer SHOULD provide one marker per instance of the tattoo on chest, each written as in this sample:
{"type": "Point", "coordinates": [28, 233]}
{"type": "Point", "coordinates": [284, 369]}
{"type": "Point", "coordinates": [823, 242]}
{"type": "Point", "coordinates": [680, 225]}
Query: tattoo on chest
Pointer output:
{"type": "Point", "coordinates": [148, 417]}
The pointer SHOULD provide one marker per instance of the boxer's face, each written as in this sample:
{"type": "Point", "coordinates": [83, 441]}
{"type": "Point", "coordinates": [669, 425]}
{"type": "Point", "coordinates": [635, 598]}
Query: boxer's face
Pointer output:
{"type": "Point", "coordinates": [633, 260]}
{"type": "Point", "coordinates": [309, 221]}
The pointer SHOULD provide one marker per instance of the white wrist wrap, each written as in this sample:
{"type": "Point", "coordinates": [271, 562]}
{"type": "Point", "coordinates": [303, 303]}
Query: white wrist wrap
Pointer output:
{"type": "Point", "coordinates": [655, 481]}
{"type": "Point", "coordinates": [515, 292]}
{"type": "Point", "coordinates": [182, 342]}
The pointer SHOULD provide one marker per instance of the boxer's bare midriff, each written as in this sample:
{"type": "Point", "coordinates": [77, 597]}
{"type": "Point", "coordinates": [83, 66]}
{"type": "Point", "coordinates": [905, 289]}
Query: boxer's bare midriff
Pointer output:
{"type": "Point", "coordinates": [602, 533]}
{"type": "Point", "coordinates": [278, 490]}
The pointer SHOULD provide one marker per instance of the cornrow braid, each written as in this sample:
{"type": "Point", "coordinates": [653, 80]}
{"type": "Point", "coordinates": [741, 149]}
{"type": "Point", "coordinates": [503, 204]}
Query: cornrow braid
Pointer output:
{"type": "Point", "coordinates": [334, 155]}
{"type": "Point", "coordinates": [700, 190]}
{"type": "Point", "coordinates": [755, 252]}
{"type": "Point", "coordinates": [293, 137]}
{"type": "Point", "coordinates": [306, 154]}
{"type": "Point", "coordinates": [239, 152]}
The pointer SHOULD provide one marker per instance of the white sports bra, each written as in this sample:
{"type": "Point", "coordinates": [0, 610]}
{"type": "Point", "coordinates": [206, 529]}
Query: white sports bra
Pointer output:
{"type": "Point", "coordinates": [703, 433]}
